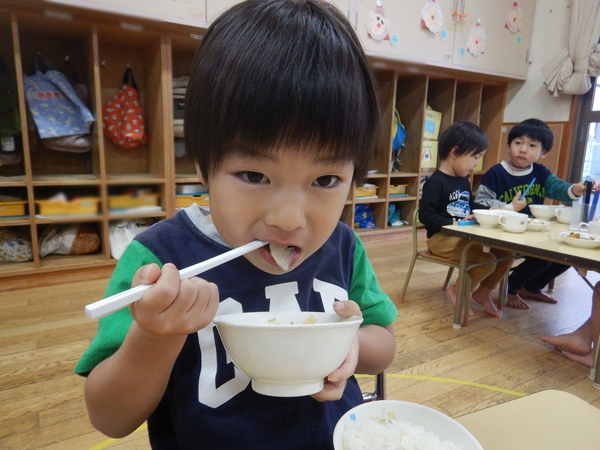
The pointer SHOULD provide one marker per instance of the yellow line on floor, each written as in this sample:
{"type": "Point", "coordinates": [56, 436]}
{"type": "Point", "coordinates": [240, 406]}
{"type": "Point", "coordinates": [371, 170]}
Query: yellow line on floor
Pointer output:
{"type": "Point", "coordinates": [451, 380]}
{"type": "Point", "coordinates": [107, 442]}
{"type": "Point", "coordinates": [388, 375]}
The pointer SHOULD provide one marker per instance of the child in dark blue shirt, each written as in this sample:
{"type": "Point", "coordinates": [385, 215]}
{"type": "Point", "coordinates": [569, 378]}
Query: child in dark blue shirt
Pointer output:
{"type": "Point", "coordinates": [501, 187]}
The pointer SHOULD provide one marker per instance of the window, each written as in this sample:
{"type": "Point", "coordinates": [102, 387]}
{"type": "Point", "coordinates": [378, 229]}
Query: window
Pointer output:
{"type": "Point", "coordinates": [585, 157]}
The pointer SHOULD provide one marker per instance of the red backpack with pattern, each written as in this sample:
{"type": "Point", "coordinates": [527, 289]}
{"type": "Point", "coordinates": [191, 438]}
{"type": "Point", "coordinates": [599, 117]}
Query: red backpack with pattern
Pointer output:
{"type": "Point", "coordinates": [122, 120]}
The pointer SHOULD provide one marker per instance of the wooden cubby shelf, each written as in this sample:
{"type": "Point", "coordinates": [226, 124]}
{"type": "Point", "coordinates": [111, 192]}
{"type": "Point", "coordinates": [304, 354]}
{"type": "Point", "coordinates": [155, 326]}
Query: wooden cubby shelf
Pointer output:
{"type": "Point", "coordinates": [95, 49]}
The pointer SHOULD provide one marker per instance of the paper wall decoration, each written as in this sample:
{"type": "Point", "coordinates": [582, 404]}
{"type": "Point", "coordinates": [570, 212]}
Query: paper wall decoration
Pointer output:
{"type": "Point", "coordinates": [432, 17]}
{"type": "Point", "coordinates": [476, 39]}
{"type": "Point", "coordinates": [378, 25]}
{"type": "Point", "coordinates": [513, 19]}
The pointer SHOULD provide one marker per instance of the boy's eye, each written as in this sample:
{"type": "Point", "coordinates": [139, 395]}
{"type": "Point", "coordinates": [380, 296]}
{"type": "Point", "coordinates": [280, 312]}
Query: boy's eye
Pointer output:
{"type": "Point", "coordinates": [326, 181]}
{"type": "Point", "coordinates": [253, 177]}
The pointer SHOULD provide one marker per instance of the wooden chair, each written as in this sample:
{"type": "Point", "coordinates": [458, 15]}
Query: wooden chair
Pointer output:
{"type": "Point", "coordinates": [463, 278]}
{"type": "Point", "coordinates": [425, 255]}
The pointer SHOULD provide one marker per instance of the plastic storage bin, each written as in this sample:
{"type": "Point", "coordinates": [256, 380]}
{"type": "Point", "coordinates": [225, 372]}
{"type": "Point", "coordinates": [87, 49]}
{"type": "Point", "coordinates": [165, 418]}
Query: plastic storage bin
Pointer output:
{"type": "Point", "coordinates": [366, 190]}
{"type": "Point", "coordinates": [132, 201]}
{"type": "Point", "coordinates": [183, 201]}
{"type": "Point", "coordinates": [12, 208]}
{"type": "Point", "coordinates": [398, 189]}
{"type": "Point", "coordinates": [83, 205]}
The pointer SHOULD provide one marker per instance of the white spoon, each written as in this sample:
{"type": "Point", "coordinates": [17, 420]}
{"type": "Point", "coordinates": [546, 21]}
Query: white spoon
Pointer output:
{"type": "Point", "coordinates": [115, 302]}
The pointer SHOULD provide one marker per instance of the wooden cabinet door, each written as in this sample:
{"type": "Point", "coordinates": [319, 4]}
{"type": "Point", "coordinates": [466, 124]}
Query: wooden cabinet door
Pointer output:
{"type": "Point", "coordinates": [505, 52]}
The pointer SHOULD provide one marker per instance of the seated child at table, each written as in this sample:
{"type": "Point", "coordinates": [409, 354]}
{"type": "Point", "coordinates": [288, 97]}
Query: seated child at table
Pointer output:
{"type": "Point", "coordinates": [579, 345]}
{"type": "Point", "coordinates": [281, 116]}
{"type": "Point", "coordinates": [447, 198]}
{"type": "Point", "coordinates": [502, 187]}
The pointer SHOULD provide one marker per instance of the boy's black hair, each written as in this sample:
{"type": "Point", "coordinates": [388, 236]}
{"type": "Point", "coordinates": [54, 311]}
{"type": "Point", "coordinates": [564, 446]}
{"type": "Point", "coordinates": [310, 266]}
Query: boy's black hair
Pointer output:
{"type": "Point", "coordinates": [281, 74]}
{"type": "Point", "coordinates": [534, 129]}
{"type": "Point", "coordinates": [465, 136]}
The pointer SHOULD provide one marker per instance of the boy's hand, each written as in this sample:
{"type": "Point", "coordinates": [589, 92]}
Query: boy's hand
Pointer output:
{"type": "Point", "coordinates": [173, 306]}
{"type": "Point", "coordinates": [579, 188]}
{"type": "Point", "coordinates": [517, 203]}
{"type": "Point", "coordinates": [335, 383]}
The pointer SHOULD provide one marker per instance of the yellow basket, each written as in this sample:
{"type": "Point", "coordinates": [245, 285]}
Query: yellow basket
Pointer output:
{"type": "Point", "coordinates": [83, 205]}
{"type": "Point", "coordinates": [398, 188]}
{"type": "Point", "coordinates": [132, 201]}
{"type": "Point", "coordinates": [10, 209]}
{"type": "Point", "coordinates": [366, 190]}
{"type": "Point", "coordinates": [183, 201]}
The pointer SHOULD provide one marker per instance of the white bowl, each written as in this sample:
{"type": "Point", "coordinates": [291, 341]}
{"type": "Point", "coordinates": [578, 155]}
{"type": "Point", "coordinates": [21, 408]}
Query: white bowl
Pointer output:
{"type": "Point", "coordinates": [487, 218]}
{"type": "Point", "coordinates": [545, 212]}
{"type": "Point", "coordinates": [580, 239]}
{"type": "Point", "coordinates": [537, 224]}
{"type": "Point", "coordinates": [284, 354]}
{"type": "Point", "coordinates": [377, 413]}
{"type": "Point", "coordinates": [512, 229]}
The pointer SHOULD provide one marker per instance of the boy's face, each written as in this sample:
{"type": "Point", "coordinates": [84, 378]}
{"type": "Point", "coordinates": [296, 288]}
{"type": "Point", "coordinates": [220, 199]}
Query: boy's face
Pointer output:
{"type": "Point", "coordinates": [523, 152]}
{"type": "Point", "coordinates": [465, 164]}
{"type": "Point", "coordinates": [285, 198]}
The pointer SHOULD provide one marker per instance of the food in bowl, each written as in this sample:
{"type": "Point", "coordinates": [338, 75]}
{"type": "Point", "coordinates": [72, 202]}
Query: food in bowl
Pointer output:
{"type": "Point", "coordinates": [283, 352]}
{"type": "Point", "coordinates": [393, 424]}
{"type": "Point", "coordinates": [580, 239]}
{"type": "Point", "coordinates": [545, 212]}
{"type": "Point", "coordinates": [537, 224]}
{"type": "Point", "coordinates": [487, 218]}
{"type": "Point", "coordinates": [385, 431]}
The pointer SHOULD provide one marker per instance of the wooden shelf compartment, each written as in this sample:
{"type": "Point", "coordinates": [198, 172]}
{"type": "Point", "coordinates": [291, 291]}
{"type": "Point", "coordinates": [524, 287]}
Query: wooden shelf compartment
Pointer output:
{"type": "Point", "coordinates": [467, 101]}
{"type": "Point", "coordinates": [67, 46]}
{"type": "Point", "coordinates": [411, 97]}
{"type": "Point", "coordinates": [143, 53]}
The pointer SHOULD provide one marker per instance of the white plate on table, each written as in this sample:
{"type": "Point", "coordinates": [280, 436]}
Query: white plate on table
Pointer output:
{"type": "Point", "coordinates": [580, 239]}
{"type": "Point", "coordinates": [393, 411]}
{"type": "Point", "coordinates": [537, 224]}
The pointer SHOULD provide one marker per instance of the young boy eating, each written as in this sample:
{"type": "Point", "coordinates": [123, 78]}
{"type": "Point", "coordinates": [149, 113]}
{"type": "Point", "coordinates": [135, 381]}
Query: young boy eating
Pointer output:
{"type": "Point", "coordinates": [502, 186]}
{"type": "Point", "coordinates": [272, 119]}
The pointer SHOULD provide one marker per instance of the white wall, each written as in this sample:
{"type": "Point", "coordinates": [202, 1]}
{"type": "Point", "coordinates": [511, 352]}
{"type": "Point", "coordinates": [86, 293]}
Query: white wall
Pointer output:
{"type": "Point", "coordinates": [531, 98]}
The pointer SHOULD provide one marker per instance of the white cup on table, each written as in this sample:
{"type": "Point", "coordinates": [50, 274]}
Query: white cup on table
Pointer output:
{"type": "Point", "coordinates": [591, 227]}
{"type": "Point", "coordinates": [563, 214]}
{"type": "Point", "coordinates": [513, 221]}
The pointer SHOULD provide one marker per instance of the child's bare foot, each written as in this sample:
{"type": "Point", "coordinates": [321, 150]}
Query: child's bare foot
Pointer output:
{"type": "Point", "coordinates": [514, 301]}
{"type": "Point", "coordinates": [483, 298]}
{"type": "Point", "coordinates": [587, 360]}
{"type": "Point", "coordinates": [539, 296]}
{"type": "Point", "coordinates": [571, 342]}
{"type": "Point", "coordinates": [452, 293]}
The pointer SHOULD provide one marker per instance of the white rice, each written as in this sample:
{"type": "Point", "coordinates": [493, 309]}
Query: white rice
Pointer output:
{"type": "Point", "coordinates": [385, 432]}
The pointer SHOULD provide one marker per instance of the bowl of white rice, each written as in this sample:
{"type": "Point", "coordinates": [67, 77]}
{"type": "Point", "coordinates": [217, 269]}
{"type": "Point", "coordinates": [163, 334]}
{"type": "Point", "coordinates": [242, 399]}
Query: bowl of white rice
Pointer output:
{"type": "Point", "coordinates": [399, 425]}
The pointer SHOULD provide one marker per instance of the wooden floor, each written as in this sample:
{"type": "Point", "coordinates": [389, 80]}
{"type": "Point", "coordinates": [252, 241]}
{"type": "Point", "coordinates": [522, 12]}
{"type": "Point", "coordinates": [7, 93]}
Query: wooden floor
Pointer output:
{"type": "Point", "coordinates": [43, 331]}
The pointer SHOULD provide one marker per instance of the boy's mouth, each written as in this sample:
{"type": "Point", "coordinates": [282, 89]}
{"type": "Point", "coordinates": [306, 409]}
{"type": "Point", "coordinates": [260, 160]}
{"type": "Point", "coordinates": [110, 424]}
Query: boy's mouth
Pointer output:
{"type": "Point", "coordinates": [283, 255]}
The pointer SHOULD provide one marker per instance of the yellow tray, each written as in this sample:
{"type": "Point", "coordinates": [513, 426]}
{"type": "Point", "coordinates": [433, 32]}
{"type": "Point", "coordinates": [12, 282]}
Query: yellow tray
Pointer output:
{"type": "Point", "coordinates": [366, 191]}
{"type": "Point", "coordinates": [9, 209]}
{"type": "Point", "coordinates": [83, 205]}
{"type": "Point", "coordinates": [132, 201]}
{"type": "Point", "coordinates": [183, 201]}
{"type": "Point", "coordinates": [398, 188]}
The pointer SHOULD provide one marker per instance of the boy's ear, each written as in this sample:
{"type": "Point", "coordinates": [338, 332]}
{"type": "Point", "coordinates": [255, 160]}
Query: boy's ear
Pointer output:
{"type": "Point", "coordinates": [543, 154]}
{"type": "Point", "coordinates": [199, 173]}
{"type": "Point", "coordinates": [453, 151]}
